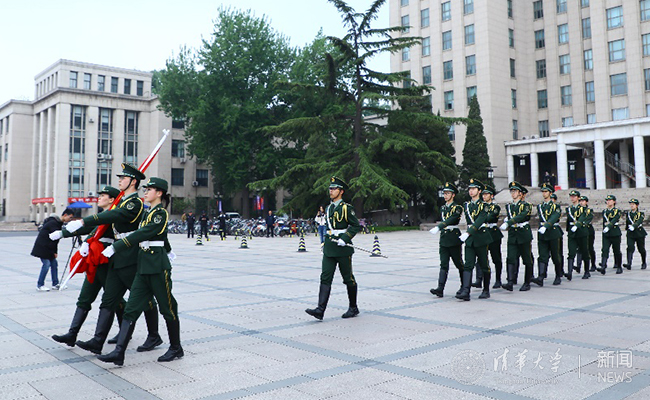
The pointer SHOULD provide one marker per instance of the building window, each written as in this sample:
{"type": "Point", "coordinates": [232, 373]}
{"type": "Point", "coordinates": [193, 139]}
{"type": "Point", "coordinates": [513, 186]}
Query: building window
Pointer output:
{"type": "Point", "coordinates": [469, 34]}
{"type": "Point", "coordinates": [105, 134]}
{"type": "Point", "coordinates": [468, 6]}
{"type": "Point", "coordinates": [591, 118]}
{"type": "Point", "coordinates": [646, 44]}
{"type": "Point", "coordinates": [538, 9]}
{"type": "Point", "coordinates": [561, 6]}
{"type": "Point", "coordinates": [452, 133]}
{"type": "Point", "coordinates": [590, 94]}
{"type": "Point", "coordinates": [513, 97]}
{"type": "Point", "coordinates": [589, 60]}
{"type": "Point", "coordinates": [404, 3]}
{"type": "Point", "coordinates": [178, 177]}
{"type": "Point", "coordinates": [426, 46]}
{"type": "Point", "coordinates": [202, 177]}
{"type": "Point", "coordinates": [567, 122]}
{"type": "Point", "coordinates": [104, 172]}
{"type": "Point", "coordinates": [565, 95]}
{"type": "Point", "coordinates": [6, 151]}
{"type": "Point", "coordinates": [424, 17]}
{"type": "Point", "coordinates": [586, 28]}
{"type": "Point", "coordinates": [509, 3]}
{"type": "Point", "coordinates": [542, 99]}
{"type": "Point", "coordinates": [426, 75]}
{"type": "Point", "coordinates": [584, 3]}
{"type": "Point", "coordinates": [614, 17]}
{"type": "Point", "coordinates": [619, 114]}
{"type": "Point", "coordinates": [73, 79]}
{"type": "Point", "coordinates": [448, 70]}
{"type": "Point", "coordinates": [542, 128]}
{"type": "Point", "coordinates": [617, 50]}
{"type": "Point", "coordinates": [511, 37]}
{"type": "Point", "coordinates": [77, 151]}
{"type": "Point", "coordinates": [618, 84]}
{"type": "Point", "coordinates": [565, 64]}
{"type": "Point", "coordinates": [540, 67]}
{"type": "Point", "coordinates": [563, 33]}
{"type": "Point", "coordinates": [446, 40]}
{"type": "Point", "coordinates": [406, 83]}
{"type": "Point", "coordinates": [446, 10]}
{"type": "Point", "coordinates": [178, 148]}
{"type": "Point", "coordinates": [405, 23]}
{"type": "Point", "coordinates": [406, 54]}
{"type": "Point", "coordinates": [647, 110]}
{"type": "Point", "coordinates": [449, 100]}
{"type": "Point", "coordinates": [644, 6]}
{"type": "Point", "coordinates": [101, 82]}
{"type": "Point", "coordinates": [87, 78]}
{"type": "Point", "coordinates": [113, 84]}
{"type": "Point", "coordinates": [127, 86]}
{"type": "Point", "coordinates": [539, 39]}
{"type": "Point", "coordinates": [512, 68]}
{"type": "Point", "coordinates": [131, 137]}
{"type": "Point", "coordinates": [471, 92]}
{"type": "Point", "coordinates": [470, 65]}
{"type": "Point", "coordinates": [515, 129]}
{"type": "Point", "coordinates": [139, 88]}
{"type": "Point", "coordinates": [646, 76]}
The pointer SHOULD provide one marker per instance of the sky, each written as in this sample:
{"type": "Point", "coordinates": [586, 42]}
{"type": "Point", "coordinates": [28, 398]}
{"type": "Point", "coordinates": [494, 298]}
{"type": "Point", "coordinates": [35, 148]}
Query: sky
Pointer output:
{"type": "Point", "coordinates": [139, 34]}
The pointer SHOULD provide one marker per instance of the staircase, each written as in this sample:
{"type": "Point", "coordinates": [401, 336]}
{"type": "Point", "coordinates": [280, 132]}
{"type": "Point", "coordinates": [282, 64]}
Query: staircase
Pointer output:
{"type": "Point", "coordinates": [622, 167]}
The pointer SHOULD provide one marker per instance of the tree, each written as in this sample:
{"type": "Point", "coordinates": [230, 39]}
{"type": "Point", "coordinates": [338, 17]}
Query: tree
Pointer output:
{"type": "Point", "coordinates": [476, 160]}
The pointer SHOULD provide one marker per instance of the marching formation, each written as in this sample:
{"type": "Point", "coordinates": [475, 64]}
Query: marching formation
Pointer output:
{"type": "Point", "coordinates": [483, 237]}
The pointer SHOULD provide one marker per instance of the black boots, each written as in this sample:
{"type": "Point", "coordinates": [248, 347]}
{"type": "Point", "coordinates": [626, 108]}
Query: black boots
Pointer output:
{"type": "Point", "coordinates": [541, 273]}
{"type": "Point", "coordinates": [603, 266]}
{"type": "Point", "coordinates": [175, 350]}
{"type": "Point", "coordinates": [498, 267]}
{"type": "Point", "coordinates": [576, 267]}
{"type": "Point", "coordinates": [464, 291]}
{"type": "Point", "coordinates": [442, 280]}
{"type": "Point", "coordinates": [153, 338]}
{"type": "Point", "coordinates": [71, 337]}
{"type": "Point", "coordinates": [511, 277]}
{"type": "Point", "coordinates": [323, 298]}
{"type": "Point", "coordinates": [486, 287]}
{"type": "Point", "coordinates": [104, 322]}
{"type": "Point", "coordinates": [119, 314]}
{"type": "Point", "coordinates": [353, 310]}
{"type": "Point", "coordinates": [528, 274]}
{"type": "Point", "coordinates": [479, 278]}
{"type": "Point", "coordinates": [569, 274]}
{"type": "Point", "coordinates": [586, 274]}
{"type": "Point", "coordinates": [117, 356]}
{"type": "Point", "coordinates": [630, 255]}
{"type": "Point", "coordinates": [618, 263]}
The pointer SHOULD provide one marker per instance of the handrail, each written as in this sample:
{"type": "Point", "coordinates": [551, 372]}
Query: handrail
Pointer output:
{"type": "Point", "coordinates": [623, 167]}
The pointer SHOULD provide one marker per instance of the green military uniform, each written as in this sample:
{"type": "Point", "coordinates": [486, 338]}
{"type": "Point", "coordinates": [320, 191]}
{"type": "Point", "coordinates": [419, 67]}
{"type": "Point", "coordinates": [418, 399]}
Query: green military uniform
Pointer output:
{"type": "Point", "coordinates": [493, 211]}
{"type": "Point", "coordinates": [548, 238]}
{"type": "Point", "coordinates": [578, 220]}
{"type": "Point", "coordinates": [561, 239]}
{"type": "Point", "coordinates": [635, 235]}
{"type": "Point", "coordinates": [519, 239]}
{"type": "Point", "coordinates": [590, 243]}
{"type": "Point", "coordinates": [449, 244]}
{"type": "Point", "coordinates": [611, 237]}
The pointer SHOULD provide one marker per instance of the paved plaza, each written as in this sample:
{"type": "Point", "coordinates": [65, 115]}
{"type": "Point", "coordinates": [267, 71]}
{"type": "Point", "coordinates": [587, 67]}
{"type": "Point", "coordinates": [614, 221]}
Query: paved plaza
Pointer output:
{"type": "Point", "coordinates": [246, 335]}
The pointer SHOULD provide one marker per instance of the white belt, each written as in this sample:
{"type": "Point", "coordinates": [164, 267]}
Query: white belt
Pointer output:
{"type": "Point", "coordinates": [122, 235]}
{"type": "Point", "coordinates": [491, 225]}
{"type": "Point", "coordinates": [450, 227]}
{"type": "Point", "coordinates": [556, 224]}
{"type": "Point", "coordinates": [154, 243]}
{"type": "Point", "coordinates": [338, 231]}
{"type": "Point", "coordinates": [519, 225]}
{"type": "Point", "coordinates": [106, 240]}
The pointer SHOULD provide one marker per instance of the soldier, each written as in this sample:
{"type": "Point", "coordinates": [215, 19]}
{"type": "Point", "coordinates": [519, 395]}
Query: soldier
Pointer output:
{"type": "Point", "coordinates": [476, 240]}
{"type": "Point", "coordinates": [203, 220]}
{"type": "Point", "coordinates": [519, 237]}
{"type": "Point", "coordinates": [548, 236]}
{"type": "Point", "coordinates": [494, 249]}
{"type": "Point", "coordinates": [584, 202]}
{"type": "Point", "coordinates": [611, 236]}
{"type": "Point", "coordinates": [635, 233]}
{"type": "Point", "coordinates": [125, 219]}
{"type": "Point", "coordinates": [191, 219]}
{"type": "Point", "coordinates": [343, 225]}
{"type": "Point", "coordinates": [223, 227]}
{"type": "Point", "coordinates": [561, 239]}
{"type": "Point", "coordinates": [578, 219]}
{"type": "Point", "coordinates": [450, 245]}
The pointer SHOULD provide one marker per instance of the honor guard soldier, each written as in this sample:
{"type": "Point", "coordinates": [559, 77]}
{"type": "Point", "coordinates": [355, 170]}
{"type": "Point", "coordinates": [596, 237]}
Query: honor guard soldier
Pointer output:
{"type": "Point", "coordinates": [611, 236]}
{"type": "Point", "coordinates": [561, 244]}
{"type": "Point", "coordinates": [635, 233]}
{"type": "Point", "coordinates": [519, 237]}
{"type": "Point", "coordinates": [578, 220]}
{"type": "Point", "coordinates": [584, 202]}
{"type": "Point", "coordinates": [548, 236]}
{"type": "Point", "coordinates": [494, 249]}
{"type": "Point", "coordinates": [450, 245]}
{"type": "Point", "coordinates": [343, 225]}
{"type": "Point", "coordinates": [476, 240]}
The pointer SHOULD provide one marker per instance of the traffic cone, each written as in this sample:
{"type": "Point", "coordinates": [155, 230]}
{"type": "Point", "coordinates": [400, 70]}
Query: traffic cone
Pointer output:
{"type": "Point", "coordinates": [301, 245]}
{"type": "Point", "coordinates": [199, 240]}
{"type": "Point", "coordinates": [244, 244]}
{"type": "Point", "coordinates": [376, 252]}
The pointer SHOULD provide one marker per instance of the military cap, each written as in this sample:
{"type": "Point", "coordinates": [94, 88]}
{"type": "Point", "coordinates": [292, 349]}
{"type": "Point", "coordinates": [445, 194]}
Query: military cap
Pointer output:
{"type": "Point", "coordinates": [524, 190]}
{"type": "Point", "coordinates": [547, 187]}
{"type": "Point", "coordinates": [574, 193]}
{"type": "Point", "coordinates": [450, 187]}
{"type": "Point", "coordinates": [514, 185]}
{"type": "Point", "coordinates": [336, 182]}
{"type": "Point", "coordinates": [635, 201]}
{"type": "Point", "coordinates": [132, 172]}
{"type": "Point", "coordinates": [476, 183]}
{"type": "Point", "coordinates": [157, 183]}
{"type": "Point", "coordinates": [110, 191]}
{"type": "Point", "coordinates": [610, 197]}
{"type": "Point", "coordinates": [554, 196]}
{"type": "Point", "coordinates": [585, 198]}
{"type": "Point", "coordinates": [490, 189]}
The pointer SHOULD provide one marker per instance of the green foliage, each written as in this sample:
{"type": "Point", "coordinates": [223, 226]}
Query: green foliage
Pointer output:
{"type": "Point", "coordinates": [181, 205]}
{"type": "Point", "coordinates": [476, 161]}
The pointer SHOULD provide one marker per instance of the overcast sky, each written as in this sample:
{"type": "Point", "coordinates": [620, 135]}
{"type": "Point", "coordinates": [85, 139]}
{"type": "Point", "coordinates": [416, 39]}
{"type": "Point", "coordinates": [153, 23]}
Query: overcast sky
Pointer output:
{"type": "Point", "coordinates": [138, 34]}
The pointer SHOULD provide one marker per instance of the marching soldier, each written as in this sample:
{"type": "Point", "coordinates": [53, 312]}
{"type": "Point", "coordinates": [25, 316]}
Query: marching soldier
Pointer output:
{"type": "Point", "coordinates": [476, 240]}
{"type": "Point", "coordinates": [584, 202]}
{"type": "Point", "coordinates": [578, 219]}
{"type": "Point", "coordinates": [343, 225]}
{"type": "Point", "coordinates": [548, 236]}
{"type": "Point", "coordinates": [494, 249]}
{"type": "Point", "coordinates": [450, 245]}
{"type": "Point", "coordinates": [611, 235]}
{"type": "Point", "coordinates": [561, 239]}
{"type": "Point", "coordinates": [635, 233]}
{"type": "Point", "coordinates": [519, 237]}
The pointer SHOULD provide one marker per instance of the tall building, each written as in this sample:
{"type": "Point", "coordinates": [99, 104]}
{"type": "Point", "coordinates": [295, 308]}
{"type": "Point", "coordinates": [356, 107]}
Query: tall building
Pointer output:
{"type": "Point", "coordinates": [563, 85]}
{"type": "Point", "coordinates": [70, 141]}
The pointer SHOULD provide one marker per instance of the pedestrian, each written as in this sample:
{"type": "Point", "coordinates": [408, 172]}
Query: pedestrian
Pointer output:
{"type": "Point", "coordinates": [343, 225]}
{"type": "Point", "coordinates": [635, 234]}
{"type": "Point", "coordinates": [190, 219]}
{"type": "Point", "coordinates": [449, 245]}
{"type": "Point", "coordinates": [578, 219]}
{"type": "Point", "coordinates": [153, 276]}
{"type": "Point", "coordinates": [223, 227]}
{"type": "Point", "coordinates": [203, 220]}
{"type": "Point", "coordinates": [584, 202]}
{"type": "Point", "coordinates": [611, 236]}
{"type": "Point", "coordinates": [547, 178]}
{"type": "Point", "coordinates": [519, 237]}
{"type": "Point", "coordinates": [47, 249]}
{"type": "Point", "coordinates": [494, 249]}
{"type": "Point", "coordinates": [321, 224]}
{"type": "Point", "coordinates": [548, 237]}
{"type": "Point", "coordinates": [270, 223]}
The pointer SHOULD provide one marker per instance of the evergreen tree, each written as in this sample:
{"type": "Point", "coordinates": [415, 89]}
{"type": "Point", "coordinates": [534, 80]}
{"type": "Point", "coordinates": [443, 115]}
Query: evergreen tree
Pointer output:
{"type": "Point", "coordinates": [476, 161]}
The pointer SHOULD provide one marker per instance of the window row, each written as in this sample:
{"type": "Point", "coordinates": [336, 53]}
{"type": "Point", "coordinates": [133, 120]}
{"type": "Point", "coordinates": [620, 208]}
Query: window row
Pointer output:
{"type": "Point", "coordinates": [448, 70]}
{"type": "Point", "coordinates": [178, 177]}
{"type": "Point", "coordinates": [102, 83]}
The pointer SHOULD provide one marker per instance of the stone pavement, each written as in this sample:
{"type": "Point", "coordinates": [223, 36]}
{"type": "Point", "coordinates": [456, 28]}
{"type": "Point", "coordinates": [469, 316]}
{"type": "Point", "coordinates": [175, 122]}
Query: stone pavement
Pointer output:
{"type": "Point", "coordinates": [246, 335]}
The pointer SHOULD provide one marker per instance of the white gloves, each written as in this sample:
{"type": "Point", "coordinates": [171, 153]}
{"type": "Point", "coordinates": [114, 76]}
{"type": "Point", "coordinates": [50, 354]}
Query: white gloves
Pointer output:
{"type": "Point", "coordinates": [574, 228]}
{"type": "Point", "coordinates": [83, 250]}
{"type": "Point", "coordinates": [606, 229]}
{"type": "Point", "coordinates": [434, 230]}
{"type": "Point", "coordinates": [171, 255]}
{"type": "Point", "coordinates": [341, 243]}
{"type": "Point", "coordinates": [464, 237]}
{"type": "Point", "coordinates": [109, 251]}
{"type": "Point", "coordinates": [56, 235]}
{"type": "Point", "coordinates": [541, 230]}
{"type": "Point", "coordinates": [631, 228]}
{"type": "Point", "coordinates": [74, 226]}
{"type": "Point", "coordinates": [504, 226]}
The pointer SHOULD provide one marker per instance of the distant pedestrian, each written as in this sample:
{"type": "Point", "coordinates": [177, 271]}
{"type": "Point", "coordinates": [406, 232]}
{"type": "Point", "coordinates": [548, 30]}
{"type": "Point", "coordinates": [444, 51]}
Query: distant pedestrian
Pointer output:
{"type": "Point", "coordinates": [223, 227]}
{"type": "Point", "coordinates": [321, 224]}
{"type": "Point", "coordinates": [47, 250]}
{"type": "Point", "coordinates": [203, 220]}
{"type": "Point", "coordinates": [270, 222]}
{"type": "Point", "coordinates": [191, 219]}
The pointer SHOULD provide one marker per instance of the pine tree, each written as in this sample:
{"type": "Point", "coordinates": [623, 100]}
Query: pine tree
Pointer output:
{"type": "Point", "coordinates": [476, 160]}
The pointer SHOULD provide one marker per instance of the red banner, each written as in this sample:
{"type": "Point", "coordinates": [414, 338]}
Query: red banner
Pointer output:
{"type": "Point", "coordinates": [84, 199]}
{"type": "Point", "coordinates": [41, 200]}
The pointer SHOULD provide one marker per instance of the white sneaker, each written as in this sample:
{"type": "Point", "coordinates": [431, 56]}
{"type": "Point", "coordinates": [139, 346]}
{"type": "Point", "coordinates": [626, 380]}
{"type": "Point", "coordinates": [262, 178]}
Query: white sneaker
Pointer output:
{"type": "Point", "coordinates": [43, 289]}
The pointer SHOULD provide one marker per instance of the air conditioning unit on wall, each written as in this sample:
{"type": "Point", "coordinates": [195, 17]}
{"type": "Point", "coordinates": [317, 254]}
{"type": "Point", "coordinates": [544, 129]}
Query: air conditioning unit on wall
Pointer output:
{"type": "Point", "coordinates": [195, 183]}
{"type": "Point", "coordinates": [183, 160]}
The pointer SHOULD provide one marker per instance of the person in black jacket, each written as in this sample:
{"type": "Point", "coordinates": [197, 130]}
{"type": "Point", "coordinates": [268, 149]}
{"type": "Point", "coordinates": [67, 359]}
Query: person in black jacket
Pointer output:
{"type": "Point", "coordinates": [270, 222]}
{"type": "Point", "coordinates": [47, 249]}
{"type": "Point", "coordinates": [203, 219]}
{"type": "Point", "coordinates": [190, 224]}
{"type": "Point", "coordinates": [223, 227]}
